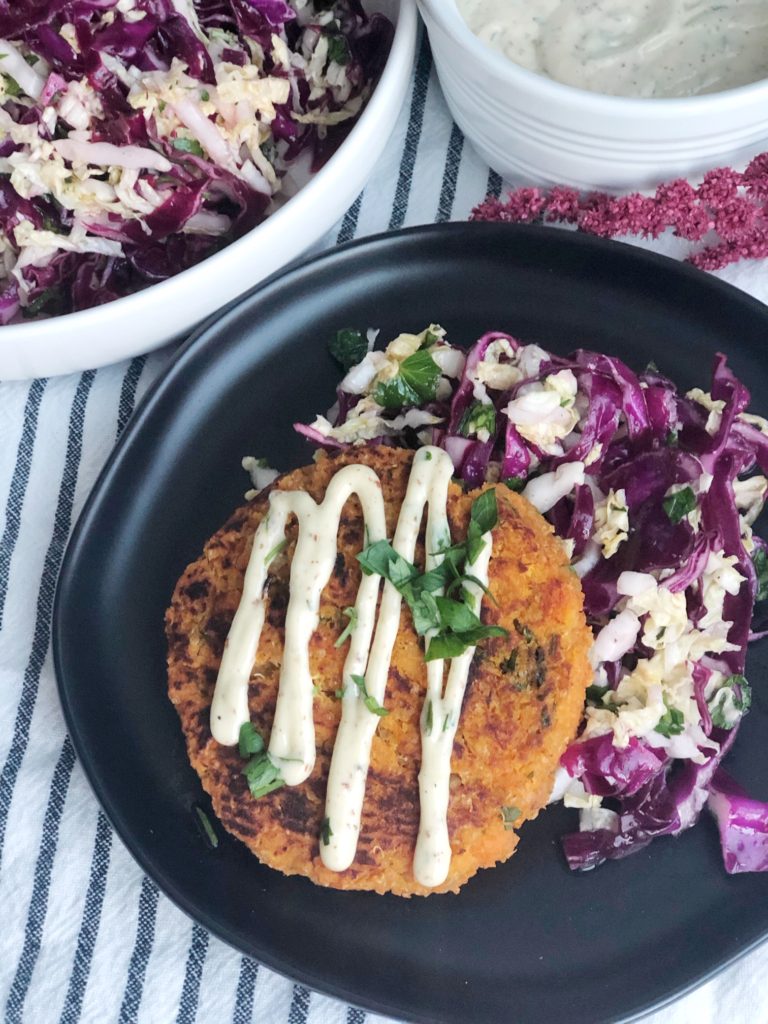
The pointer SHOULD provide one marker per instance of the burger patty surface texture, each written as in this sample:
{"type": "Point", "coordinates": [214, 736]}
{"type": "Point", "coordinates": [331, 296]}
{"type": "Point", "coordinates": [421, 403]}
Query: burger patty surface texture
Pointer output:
{"type": "Point", "coordinates": [522, 705]}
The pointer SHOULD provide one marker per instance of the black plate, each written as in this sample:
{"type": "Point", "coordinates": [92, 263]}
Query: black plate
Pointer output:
{"type": "Point", "coordinates": [528, 941]}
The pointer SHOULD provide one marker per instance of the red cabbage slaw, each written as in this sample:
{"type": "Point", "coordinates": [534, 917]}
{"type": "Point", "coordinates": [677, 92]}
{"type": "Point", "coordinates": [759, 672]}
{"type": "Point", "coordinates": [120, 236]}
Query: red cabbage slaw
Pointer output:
{"type": "Point", "coordinates": [138, 137]}
{"type": "Point", "coordinates": [654, 494]}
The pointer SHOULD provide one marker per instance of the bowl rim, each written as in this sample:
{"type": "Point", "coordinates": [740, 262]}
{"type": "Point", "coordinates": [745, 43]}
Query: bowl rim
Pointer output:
{"type": "Point", "coordinates": [138, 304]}
{"type": "Point", "coordinates": [446, 14]}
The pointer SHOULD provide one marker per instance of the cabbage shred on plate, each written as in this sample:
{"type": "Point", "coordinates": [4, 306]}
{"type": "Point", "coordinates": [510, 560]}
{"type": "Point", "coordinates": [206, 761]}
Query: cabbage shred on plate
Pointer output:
{"type": "Point", "coordinates": [654, 494]}
{"type": "Point", "coordinates": [138, 137]}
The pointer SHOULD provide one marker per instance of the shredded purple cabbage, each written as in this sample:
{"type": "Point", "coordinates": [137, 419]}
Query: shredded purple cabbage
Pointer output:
{"type": "Point", "coordinates": [681, 474]}
{"type": "Point", "coordinates": [192, 153]}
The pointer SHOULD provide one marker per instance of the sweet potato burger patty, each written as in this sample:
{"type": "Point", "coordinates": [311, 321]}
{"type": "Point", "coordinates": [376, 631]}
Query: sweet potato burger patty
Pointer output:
{"type": "Point", "coordinates": [522, 705]}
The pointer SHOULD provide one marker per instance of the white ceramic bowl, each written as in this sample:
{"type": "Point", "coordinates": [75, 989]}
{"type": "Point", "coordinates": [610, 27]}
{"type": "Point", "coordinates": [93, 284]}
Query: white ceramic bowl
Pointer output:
{"type": "Point", "coordinates": [524, 124]}
{"type": "Point", "coordinates": [168, 310]}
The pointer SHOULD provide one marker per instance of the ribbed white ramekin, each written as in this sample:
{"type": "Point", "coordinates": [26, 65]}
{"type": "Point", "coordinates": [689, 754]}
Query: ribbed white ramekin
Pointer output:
{"type": "Point", "coordinates": [524, 124]}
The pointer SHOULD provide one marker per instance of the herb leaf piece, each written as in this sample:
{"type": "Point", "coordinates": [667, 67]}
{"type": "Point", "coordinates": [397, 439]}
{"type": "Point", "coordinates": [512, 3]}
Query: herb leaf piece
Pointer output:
{"type": "Point", "coordinates": [678, 505]}
{"type": "Point", "coordinates": [263, 775]}
{"type": "Point", "coordinates": [349, 629]}
{"type": "Point", "coordinates": [760, 561]}
{"type": "Point", "coordinates": [348, 348]}
{"type": "Point", "coordinates": [672, 723]}
{"type": "Point", "coordinates": [251, 741]}
{"type": "Point", "coordinates": [326, 832]}
{"type": "Point", "coordinates": [188, 146]}
{"type": "Point", "coordinates": [478, 416]}
{"type": "Point", "coordinates": [415, 382]}
{"type": "Point", "coordinates": [370, 702]}
{"type": "Point", "coordinates": [207, 827]}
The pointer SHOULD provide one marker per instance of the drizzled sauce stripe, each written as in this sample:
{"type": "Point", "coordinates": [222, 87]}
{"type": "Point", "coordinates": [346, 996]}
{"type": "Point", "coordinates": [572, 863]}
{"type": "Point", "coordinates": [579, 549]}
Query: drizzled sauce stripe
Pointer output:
{"type": "Point", "coordinates": [292, 742]}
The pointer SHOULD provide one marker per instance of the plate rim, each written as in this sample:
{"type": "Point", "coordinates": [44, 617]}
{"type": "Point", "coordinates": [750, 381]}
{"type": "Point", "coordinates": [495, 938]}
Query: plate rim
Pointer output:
{"type": "Point", "coordinates": [195, 347]}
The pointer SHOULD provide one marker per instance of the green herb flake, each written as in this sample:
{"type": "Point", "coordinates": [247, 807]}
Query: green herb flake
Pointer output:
{"type": "Point", "coordinates": [415, 383]}
{"type": "Point", "coordinates": [188, 146]}
{"type": "Point", "coordinates": [351, 614]}
{"type": "Point", "coordinates": [338, 49]}
{"type": "Point", "coordinates": [595, 695]}
{"type": "Point", "coordinates": [251, 741]}
{"type": "Point", "coordinates": [451, 645]}
{"type": "Point", "coordinates": [478, 416]}
{"type": "Point", "coordinates": [672, 438]}
{"type": "Point", "coordinates": [672, 723]}
{"type": "Point", "coordinates": [348, 348]}
{"type": "Point", "coordinates": [678, 505]}
{"type": "Point", "coordinates": [272, 554]}
{"type": "Point", "coordinates": [263, 775]}
{"type": "Point", "coordinates": [12, 87]}
{"type": "Point", "coordinates": [509, 816]}
{"type": "Point", "coordinates": [428, 719]}
{"type": "Point", "coordinates": [734, 696]}
{"type": "Point", "coordinates": [47, 301]}
{"type": "Point", "coordinates": [760, 562]}
{"type": "Point", "coordinates": [207, 827]}
{"type": "Point", "coordinates": [326, 832]}
{"type": "Point", "coordinates": [205, 95]}
{"type": "Point", "coordinates": [370, 702]}
{"type": "Point", "coordinates": [515, 483]}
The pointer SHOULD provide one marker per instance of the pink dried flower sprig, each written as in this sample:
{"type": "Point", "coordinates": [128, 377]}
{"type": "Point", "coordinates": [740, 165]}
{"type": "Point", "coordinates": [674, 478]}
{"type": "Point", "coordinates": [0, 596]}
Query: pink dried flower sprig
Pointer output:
{"type": "Point", "coordinates": [727, 212]}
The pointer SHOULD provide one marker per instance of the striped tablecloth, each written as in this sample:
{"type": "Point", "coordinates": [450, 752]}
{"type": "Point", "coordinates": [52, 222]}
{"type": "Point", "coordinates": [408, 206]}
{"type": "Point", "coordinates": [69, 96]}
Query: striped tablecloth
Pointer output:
{"type": "Point", "coordinates": [84, 936]}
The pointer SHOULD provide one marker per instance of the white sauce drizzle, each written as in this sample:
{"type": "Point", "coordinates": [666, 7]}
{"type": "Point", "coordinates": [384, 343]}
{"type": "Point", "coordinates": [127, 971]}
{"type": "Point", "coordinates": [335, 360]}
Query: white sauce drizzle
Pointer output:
{"type": "Point", "coordinates": [292, 742]}
{"type": "Point", "coordinates": [642, 48]}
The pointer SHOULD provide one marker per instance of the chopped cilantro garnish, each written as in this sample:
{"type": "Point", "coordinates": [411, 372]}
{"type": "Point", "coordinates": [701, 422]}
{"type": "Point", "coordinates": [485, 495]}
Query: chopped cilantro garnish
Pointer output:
{"type": "Point", "coordinates": [205, 95]}
{"type": "Point", "coordinates": [349, 629]}
{"type": "Point", "coordinates": [12, 87]}
{"type": "Point", "coordinates": [250, 742]}
{"type": "Point", "coordinates": [188, 146]}
{"type": "Point", "coordinates": [671, 723]}
{"type": "Point", "coordinates": [415, 383]}
{"type": "Point", "coordinates": [452, 623]}
{"type": "Point", "coordinates": [428, 719]}
{"type": "Point", "coordinates": [515, 483]}
{"type": "Point", "coordinates": [734, 696]}
{"type": "Point", "coordinates": [478, 416]}
{"type": "Point", "coordinates": [348, 348]}
{"type": "Point", "coordinates": [326, 831]}
{"type": "Point", "coordinates": [262, 774]}
{"type": "Point", "coordinates": [678, 505]}
{"type": "Point", "coordinates": [42, 302]}
{"type": "Point", "coordinates": [760, 562]}
{"type": "Point", "coordinates": [207, 827]}
{"type": "Point", "coordinates": [671, 438]}
{"type": "Point", "coordinates": [275, 551]}
{"type": "Point", "coordinates": [451, 645]}
{"type": "Point", "coordinates": [509, 816]}
{"type": "Point", "coordinates": [338, 49]}
{"type": "Point", "coordinates": [595, 694]}
{"type": "Point", "coordinates": [370, 702]}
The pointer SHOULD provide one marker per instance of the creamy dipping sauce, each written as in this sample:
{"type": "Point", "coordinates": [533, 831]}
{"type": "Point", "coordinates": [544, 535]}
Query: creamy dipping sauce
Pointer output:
{"type": "Point", "coordinates": [292, 741]}
{"type": "Point", "coordinates": [640, 48]}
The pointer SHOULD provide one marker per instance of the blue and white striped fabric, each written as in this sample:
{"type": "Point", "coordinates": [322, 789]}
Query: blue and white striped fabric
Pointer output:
{"type": "Point", "coordinates": [84, 937]}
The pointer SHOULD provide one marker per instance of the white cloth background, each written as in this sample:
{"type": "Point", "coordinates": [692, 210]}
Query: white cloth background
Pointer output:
{"type": "Point", "coordinates": [84, 937]}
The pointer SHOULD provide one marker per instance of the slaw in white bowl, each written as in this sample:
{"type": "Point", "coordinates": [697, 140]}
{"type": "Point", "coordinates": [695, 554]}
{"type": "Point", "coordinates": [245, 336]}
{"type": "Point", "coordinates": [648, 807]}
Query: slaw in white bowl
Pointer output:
{"type": "Point", "coordinates": [165, 311]}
